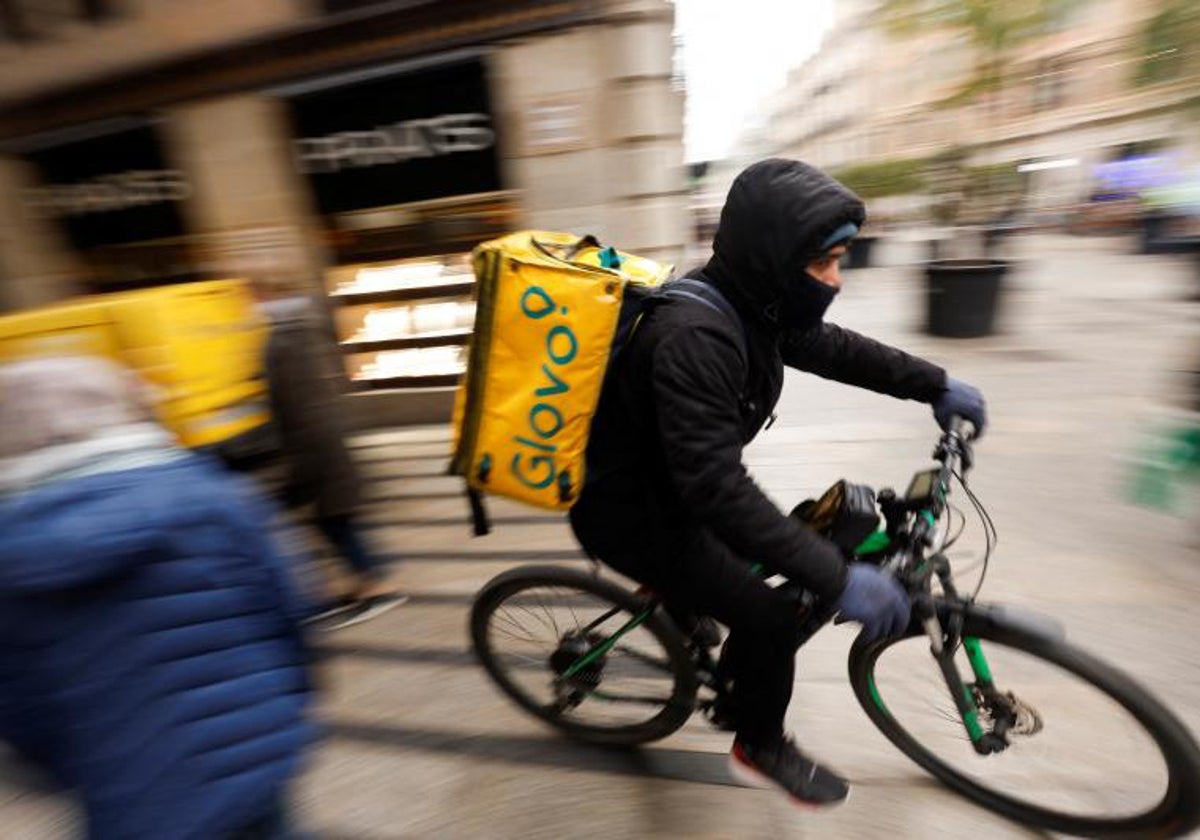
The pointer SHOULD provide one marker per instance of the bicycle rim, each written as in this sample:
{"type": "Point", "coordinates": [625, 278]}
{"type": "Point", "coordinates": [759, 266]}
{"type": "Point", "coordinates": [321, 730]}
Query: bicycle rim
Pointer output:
{"type": "Point", "coordinates": [1102, 758]}
{"type": "Point", "coordinates": [530, 629]}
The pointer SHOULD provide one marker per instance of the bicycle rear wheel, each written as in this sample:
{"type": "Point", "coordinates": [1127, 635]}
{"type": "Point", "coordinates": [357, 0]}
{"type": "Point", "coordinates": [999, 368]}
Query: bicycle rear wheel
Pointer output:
{"type": "Point", "coordinates": [1090, 752]}
{"type": "Point", "coordinates": [531, 627]}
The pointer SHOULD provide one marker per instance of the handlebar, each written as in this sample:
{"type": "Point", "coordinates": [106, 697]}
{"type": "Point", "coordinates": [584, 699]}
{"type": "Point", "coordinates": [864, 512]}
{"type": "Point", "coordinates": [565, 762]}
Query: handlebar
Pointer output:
{"type": "Point", "coordinates": [953, 452]}
{"type": "Point", "coordinates": [955, 445]}
{"type": "Point", "coordinates": [962, 428]}
{"type": "Point", "coordinates": [916, 527]}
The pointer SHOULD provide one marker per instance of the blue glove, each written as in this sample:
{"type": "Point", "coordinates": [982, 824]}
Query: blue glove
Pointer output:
{"type": "Point", "coordinates": [964, 400]}
{"type": "Point", "coordinates": [875, 600]}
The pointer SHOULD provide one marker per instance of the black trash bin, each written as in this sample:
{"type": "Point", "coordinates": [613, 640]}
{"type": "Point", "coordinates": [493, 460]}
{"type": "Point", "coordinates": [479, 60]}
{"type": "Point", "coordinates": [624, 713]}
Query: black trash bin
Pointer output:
{"type": "Point", "coordinates": [1153, 224]}
{"type": "Point", "coordinates": [962, 296]}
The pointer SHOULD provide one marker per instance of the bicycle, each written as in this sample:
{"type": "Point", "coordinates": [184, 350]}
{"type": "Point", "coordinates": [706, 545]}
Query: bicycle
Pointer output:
{"type": "Point", "coordinates": [616, 669]}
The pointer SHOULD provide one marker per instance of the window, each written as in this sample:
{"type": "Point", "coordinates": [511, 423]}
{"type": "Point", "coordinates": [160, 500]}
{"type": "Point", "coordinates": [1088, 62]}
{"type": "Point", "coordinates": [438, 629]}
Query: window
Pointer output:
{"type": "Point", "coordinates": [1049, 85]}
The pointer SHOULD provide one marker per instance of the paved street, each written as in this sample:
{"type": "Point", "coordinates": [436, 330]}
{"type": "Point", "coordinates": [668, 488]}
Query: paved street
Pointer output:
{"type": "Point", "coordinates": [420, 745]}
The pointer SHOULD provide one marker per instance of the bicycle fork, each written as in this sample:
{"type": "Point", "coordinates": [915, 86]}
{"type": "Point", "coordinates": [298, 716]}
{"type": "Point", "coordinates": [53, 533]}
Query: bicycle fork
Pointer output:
{"type": "Point", "coordinates": [943, 645]}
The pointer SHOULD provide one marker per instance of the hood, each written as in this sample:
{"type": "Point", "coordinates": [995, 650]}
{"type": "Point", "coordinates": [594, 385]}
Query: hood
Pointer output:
{"type": "Point", "coordinates": [108, 450]}
{"type": "Point", "coordinates": [775, 218]}
{"type": "Point", "coordinates": [74, 533]}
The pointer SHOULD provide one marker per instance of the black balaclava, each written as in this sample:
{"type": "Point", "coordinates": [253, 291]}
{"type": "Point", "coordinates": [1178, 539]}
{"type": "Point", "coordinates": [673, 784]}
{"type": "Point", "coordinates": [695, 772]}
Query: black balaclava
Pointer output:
{"type": "Point", "coordinates": [776, 220]}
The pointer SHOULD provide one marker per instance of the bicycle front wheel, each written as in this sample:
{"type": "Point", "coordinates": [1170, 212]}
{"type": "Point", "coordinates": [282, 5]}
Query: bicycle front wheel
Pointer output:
{"type": "Point", "coordinates": [584, 655]}
{"type": "Point", "coordinates": [1088, 751]}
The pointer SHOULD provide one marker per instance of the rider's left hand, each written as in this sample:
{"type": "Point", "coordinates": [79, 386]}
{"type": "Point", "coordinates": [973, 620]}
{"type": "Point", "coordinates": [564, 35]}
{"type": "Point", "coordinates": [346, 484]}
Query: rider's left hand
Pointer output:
{"type": "Point", "coordinates": [962, 400]}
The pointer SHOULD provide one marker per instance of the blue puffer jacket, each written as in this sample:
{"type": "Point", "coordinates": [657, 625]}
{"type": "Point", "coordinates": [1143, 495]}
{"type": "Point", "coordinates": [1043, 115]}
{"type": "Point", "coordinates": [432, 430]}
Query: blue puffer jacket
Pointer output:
{"type": "Point", "coordinates": [150, 654]}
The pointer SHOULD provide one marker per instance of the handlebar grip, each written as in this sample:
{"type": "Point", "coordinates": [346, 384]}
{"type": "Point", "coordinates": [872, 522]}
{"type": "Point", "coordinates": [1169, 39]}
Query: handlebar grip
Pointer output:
{"type": "Point", "coordinates": [962, 427]}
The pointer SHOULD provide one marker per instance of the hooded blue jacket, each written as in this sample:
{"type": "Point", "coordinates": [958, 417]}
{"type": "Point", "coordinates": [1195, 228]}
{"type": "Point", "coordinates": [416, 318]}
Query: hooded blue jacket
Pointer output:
{"type": "Point", "coordinates": [150, 654]}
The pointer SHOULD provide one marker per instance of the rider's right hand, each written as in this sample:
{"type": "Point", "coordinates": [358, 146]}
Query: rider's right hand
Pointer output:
{"type": "Point", "coordinates": [875, 600]}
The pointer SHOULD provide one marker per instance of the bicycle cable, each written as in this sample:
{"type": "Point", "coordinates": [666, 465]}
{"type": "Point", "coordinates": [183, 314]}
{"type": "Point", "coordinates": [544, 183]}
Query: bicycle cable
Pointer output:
{"type": "Point", "coordinates": [991, 535]}
{"type": "Point", "coordinates": [950, 511]}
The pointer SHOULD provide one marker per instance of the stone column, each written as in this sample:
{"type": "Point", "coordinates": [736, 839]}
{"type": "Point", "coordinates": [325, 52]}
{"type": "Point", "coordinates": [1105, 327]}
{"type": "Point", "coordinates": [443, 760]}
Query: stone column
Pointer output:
{"type": "Point", "coordinates": [248, 205]}
{"type": "Point", "coordinates": [37, 265]}
{"type": "Point", "coordinates": [592, 129]}
{"type": "Point", "coordinates": [642, 129]}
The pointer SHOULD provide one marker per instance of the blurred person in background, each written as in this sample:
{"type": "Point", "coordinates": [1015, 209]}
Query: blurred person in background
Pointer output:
{"type": "Point", "coordinates": [668, 500]}
{"type": "Point", "coordinates": [305, 393]}
{"type": "Point", "coordinates": [151, 656]}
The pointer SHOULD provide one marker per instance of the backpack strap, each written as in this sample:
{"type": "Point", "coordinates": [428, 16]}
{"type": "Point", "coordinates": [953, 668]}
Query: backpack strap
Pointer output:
{"type": "Point", "coordinates": [481, 523]}
{"type": "Point", "coordinates": [710, 296]}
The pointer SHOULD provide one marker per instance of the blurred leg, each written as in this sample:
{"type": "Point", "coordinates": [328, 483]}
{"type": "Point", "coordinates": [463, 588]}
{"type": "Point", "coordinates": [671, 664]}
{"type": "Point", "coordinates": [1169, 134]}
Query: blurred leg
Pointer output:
{"type": "Point", "coordinates": [343, 533]}
{"type": "Point", "coordinates": [759, 655]}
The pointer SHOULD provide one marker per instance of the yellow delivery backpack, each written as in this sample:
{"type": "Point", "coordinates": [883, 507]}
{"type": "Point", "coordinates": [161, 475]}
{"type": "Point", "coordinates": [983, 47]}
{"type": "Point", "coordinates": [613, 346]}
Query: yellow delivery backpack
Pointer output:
{"type": "Point", "coordinates": [547, 314]}
{"type": "Point", "coordinates": [200, 344]}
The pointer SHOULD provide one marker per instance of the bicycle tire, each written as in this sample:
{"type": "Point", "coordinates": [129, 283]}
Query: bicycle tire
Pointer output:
{"type": "Point", "coordinates": [1175, 814]}
{"type": "Point", "coordinates": [671, 717]}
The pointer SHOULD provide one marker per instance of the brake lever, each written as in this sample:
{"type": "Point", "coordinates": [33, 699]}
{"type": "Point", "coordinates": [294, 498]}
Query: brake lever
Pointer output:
{"type": "Point", "coordinates": [966, 456]}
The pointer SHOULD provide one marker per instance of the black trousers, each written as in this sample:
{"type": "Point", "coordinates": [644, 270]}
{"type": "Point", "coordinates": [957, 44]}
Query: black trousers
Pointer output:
{"type": "Point", "coordinates": [345, 535]}
{"type": "Point", "coordinates": [695, 572]}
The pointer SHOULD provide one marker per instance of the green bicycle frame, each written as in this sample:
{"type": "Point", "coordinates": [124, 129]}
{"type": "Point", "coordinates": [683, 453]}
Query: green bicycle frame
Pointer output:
{"type": "Point", "coordinates": [609, 642]}
{"type": "Point", "coordinates": [979, 663]}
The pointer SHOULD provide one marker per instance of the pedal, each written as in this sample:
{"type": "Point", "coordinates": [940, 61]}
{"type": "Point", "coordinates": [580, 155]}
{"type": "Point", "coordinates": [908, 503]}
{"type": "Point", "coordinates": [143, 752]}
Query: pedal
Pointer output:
{"type": "Point", "coordinates": [707, 633]}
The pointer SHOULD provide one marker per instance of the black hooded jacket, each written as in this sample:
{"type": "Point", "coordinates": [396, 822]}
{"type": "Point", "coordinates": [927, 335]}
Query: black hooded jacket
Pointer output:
{"type": "Point", "coordinates": [685, 395]}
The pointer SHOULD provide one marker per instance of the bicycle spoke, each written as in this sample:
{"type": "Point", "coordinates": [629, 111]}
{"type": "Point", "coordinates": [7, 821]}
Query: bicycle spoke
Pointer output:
{"type": "Point", "coordinates": [539, 619]}
{"type": "Point", "coordinates": [510, 634]}
{"type": "Point", "coordinates": [574, 617]}
{"type": "Point", "coordinates": [550, 615]}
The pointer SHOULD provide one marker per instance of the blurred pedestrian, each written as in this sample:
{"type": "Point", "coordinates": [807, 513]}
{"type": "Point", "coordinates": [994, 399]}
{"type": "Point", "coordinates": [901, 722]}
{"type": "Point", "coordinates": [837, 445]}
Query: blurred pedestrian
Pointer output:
{"type": "Point", "coordinates": [151, 655]}
{"type": "Point", "coordinates": [305, 394]}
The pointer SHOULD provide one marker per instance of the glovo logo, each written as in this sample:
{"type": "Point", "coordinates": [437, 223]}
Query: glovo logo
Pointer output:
{"type": "Point", "coordinates": [534, 464]}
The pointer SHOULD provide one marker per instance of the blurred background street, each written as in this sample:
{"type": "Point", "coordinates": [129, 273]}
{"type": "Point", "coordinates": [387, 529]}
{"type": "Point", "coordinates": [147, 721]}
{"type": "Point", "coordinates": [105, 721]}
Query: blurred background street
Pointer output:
{"type": "Point", "coordinates": [420, 744]}
{"type": "Point", "coordinates": [168, 169]}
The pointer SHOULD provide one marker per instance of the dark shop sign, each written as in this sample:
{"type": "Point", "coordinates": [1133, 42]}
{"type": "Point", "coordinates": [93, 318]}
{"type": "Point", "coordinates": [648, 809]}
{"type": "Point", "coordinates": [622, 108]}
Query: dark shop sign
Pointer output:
{"type": "Point", "coordinates": [110, 190]}
{"type": "Point", "coordinates": [399, 138]}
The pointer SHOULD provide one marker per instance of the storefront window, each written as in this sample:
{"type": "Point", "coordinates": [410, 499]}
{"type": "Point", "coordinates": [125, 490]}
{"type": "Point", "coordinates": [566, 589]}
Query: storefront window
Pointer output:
{"type": "Point", "coordinates": [119, 203]}
{"type": "Point", "coordinates": [404, 169]}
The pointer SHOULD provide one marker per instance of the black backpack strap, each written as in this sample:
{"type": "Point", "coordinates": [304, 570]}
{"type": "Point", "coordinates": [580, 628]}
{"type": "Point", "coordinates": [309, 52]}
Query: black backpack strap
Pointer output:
{"type": "Point", "coordinates": [710, 296]}
{"type": "Point", "coordinates": [480, 522]}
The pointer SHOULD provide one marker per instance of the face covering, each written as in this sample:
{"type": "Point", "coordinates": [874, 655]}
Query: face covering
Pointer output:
{"type": "Point", "coordinates": [804, 302]}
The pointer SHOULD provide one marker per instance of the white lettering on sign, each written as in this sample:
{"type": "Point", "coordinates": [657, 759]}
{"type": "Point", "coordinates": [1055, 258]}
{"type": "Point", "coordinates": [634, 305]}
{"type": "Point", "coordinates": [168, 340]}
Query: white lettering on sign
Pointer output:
{"type": "Point", "coordinates": [107, 193]}
{"type": "Point", "coordinates": [397, 143]}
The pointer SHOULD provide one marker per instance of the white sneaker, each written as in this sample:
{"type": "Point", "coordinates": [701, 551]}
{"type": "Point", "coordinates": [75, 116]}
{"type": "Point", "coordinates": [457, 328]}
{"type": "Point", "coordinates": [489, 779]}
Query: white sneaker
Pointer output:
{"type": "Point", "coordinates": [364, 610]}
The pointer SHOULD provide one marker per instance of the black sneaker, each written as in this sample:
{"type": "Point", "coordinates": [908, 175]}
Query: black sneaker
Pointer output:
{"type": "Point", "coordinates": [783, 766]}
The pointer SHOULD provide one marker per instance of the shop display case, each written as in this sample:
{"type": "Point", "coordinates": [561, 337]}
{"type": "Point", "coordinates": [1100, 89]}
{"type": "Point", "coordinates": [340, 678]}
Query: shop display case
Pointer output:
{"type": "Point", "coordinates": [402, 294]}
{"type": "Point", "coordinates": [405, 323]}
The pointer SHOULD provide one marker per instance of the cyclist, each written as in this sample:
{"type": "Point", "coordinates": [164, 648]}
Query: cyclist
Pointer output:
{"type": "Point", "coordinates": [669, 502]}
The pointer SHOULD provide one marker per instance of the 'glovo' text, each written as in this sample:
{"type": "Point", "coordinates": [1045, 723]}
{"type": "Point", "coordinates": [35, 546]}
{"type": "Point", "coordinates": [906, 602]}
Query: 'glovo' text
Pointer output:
{"type": "Point", "coordinates": [534, 464]}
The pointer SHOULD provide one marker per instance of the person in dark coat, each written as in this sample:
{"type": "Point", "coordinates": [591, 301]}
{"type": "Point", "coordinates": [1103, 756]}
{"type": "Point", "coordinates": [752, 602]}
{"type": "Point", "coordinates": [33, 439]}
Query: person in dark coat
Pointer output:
{"type": "Point", "coordinates": [669, 502]}
{"type": "Point", "coordinates": [151, 652]}
{"type": "Point", "coordinates": [305, 396]}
